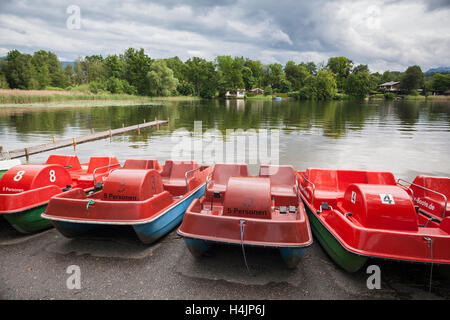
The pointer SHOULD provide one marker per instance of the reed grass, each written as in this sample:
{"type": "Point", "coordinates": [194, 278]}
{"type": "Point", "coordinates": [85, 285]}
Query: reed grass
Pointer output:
{"type": "Point", "coordinates": [16, 96]}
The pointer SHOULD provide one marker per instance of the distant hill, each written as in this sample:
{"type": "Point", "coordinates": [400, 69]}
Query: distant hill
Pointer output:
{"type": "Point", "coordinates": [440, 70]}
{"type": "Point", "coordinates": [63, 63]}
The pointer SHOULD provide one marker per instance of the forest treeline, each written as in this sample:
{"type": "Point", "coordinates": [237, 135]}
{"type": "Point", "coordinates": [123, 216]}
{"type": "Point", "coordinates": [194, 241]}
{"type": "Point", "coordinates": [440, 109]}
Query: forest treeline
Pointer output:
{"type": "Point", "coordinates": [136, 73]}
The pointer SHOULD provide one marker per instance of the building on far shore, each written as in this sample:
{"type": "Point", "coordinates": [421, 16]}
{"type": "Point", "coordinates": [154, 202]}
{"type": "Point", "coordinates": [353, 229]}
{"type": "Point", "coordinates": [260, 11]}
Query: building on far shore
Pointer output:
{"type": "Point", "coordinates": [257, 91]}
{"type": "Point", "coordinates": [238, 94]}
{"type": "Point", "coordinates": [392, 86]}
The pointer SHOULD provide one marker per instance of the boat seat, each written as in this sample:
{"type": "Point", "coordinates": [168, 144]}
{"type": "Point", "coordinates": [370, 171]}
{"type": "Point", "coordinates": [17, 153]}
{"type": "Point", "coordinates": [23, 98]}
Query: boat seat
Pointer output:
{"type": "Point", "coordinates": [327, 196]}
{"type": "Point", "coordinates": [282, 183]}
{"type": "Point", "coordinates": [431, 202]}
{"type": "Point", "coordinates": [221, 174]}
{"type": "Point", "coordinates": [173, 175]}
{"type": "Point", "coordinates": [98, 162]}
{"type": "Point", "coordinates": [69, 162]}
{"type": "Point", "coordinates": [332, 184]}
{"type": "Point", "coordinates": [141, 164]}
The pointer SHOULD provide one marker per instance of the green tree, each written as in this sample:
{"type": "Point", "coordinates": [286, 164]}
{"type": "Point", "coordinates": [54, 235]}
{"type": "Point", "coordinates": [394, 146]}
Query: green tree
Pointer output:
{"type": "Point", "coordinates": [113, 67]}
{"type": "Point", "coordinates": [19, 71]}
{"type": "Point", "coordinates": [202, 74]}
{"type": "Point", "coordinates": [375, 81]}
{"type": "Point", "coordinates": [389, 76]}
{"type": "Point", "coordinates": [412, 79]}
{"type": "Point", "coordinates": [325, 85]}
{"type": "Point", "coordinates": [79, 72]}
{"type": "Point", "coordinates": [341, 67]}
{"type": "Point", "coordinates": [69, 74]}
{"type": "Point", "coordinates": [185, 88]}
{"type": "Point", "coordinates": [136, 65]}
{"type": "Point", "coordinates": [42, 74]}
{"type": "Point", "coordinates": [273, 75]}
{"type": "Point", "coordinates": [247, 78]}
{"type": "Point", "coordinates": [257, 71]}
{"type": "Point", "coordinates": [358, 84]}
{"type": "Point", "coordinates": [178, 68]}
{"type": "Point", "coordinates": [296, 74]}
{"type": "Point", "coordinates": [361, 68]}
{"type": "Point", "coordinates": [161, 79]}
{"type": "Point", "coordinates": [230, 73]}
{"type": "Point", "coordinates": [310, 66]}
{"type": "Point", "coordinates": [94, 68]}
{"type": "Point", "coordinates": [440, 82]}
{"type": "Point", "coordinates": [55, 71]}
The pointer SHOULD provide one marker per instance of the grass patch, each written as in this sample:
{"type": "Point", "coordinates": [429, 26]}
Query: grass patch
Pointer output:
{"type": "Point", "coordinates": [260, 97]}
{"type": "Point", "coordinates": [15, 96]}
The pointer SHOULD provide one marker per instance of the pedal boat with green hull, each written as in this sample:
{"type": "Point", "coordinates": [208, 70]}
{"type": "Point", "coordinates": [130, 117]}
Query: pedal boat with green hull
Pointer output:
{"type": "Point", "coordinates": [5, 165]}
{"type": "Point", "coordinates": [238, 209]}
{"type": "Point", "coordinates": [357, 215]}
{"type": "Point", "coordinates": [26, 189]}
{"type": "Point", "coordinates": [143, 195]}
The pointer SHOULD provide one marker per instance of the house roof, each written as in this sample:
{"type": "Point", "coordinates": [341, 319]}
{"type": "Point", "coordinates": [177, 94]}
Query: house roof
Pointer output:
{"type": "Point", "coordinates": [391, 83]}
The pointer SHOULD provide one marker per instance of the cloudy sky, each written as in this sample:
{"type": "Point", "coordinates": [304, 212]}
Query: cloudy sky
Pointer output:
{"type": "Point", "coordinates": [385, 34]}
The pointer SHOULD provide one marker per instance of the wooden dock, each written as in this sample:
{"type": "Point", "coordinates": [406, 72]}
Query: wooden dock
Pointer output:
{"type": "Point", "coordinates": [26, 152]}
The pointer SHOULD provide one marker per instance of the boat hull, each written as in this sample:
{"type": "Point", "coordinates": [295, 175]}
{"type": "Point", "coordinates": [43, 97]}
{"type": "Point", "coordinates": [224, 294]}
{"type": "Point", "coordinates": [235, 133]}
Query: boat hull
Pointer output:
{"type": "Point", "coordinates": [345, 259]}
{"type": "Point", "coordinates": [28, 221]}
{"type": "Point", "coordinates": [146, 232]}
{"type": "Point", "coordinates": [365, 220]}
{"type": "Point", "coordinates": [291, 255]}
{"type": "Point", "coordinates": [152, 231]}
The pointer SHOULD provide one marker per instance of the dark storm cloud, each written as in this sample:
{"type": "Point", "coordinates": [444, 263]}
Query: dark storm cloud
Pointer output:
{"type": "Point", "coordinates": [382, 33]}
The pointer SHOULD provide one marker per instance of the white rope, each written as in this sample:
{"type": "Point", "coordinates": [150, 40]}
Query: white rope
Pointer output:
{"type": "Point", "coordinates": [242, 228]}
{"type": "Point", "coordinates": [431, 255]}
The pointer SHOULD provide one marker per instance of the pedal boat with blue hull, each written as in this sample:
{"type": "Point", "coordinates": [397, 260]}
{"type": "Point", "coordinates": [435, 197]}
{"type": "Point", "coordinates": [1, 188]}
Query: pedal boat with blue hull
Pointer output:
{"type": "Point", "coordinates": [26, 189]}
{"type": "Point", "coordinates": [150, 198]}
{"type": "Point", "coordinates": [357, 215]}
{"type": "Point", "coordinates": [239, 209]}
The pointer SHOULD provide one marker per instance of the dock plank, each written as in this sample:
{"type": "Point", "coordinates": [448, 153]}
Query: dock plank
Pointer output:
{"type": "Point", "coordinates": [18, 153]}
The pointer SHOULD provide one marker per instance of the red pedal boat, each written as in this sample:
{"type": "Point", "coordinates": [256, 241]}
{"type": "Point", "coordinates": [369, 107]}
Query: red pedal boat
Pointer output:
{"type": "Point", "coordinates": [357, 215]}
{"type": "Point", "coordinates": [150, 198]}
{"type": "Point", "coordinates": [265, 210]}
{"type": "Point", "coordinates": [26, 189]}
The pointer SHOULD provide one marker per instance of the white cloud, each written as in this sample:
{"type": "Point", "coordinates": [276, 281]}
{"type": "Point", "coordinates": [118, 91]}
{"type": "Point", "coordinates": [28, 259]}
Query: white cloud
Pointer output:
{"type": "Point", "coordinates": [385, 34]}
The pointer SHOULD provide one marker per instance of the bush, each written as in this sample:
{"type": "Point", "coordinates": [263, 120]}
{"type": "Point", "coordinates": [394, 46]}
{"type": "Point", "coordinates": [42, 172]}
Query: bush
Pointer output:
{"type": "Point", "coordinates": [389, 96]}
{"type": "Point", "coordinates": [268, 91]}
{"type": "Point", "coordinates": [3, 83]}
{"type": "Point", "coordinates": [185, 89]}
{"type": "Point", "coordinates": [96, 87]}
{"type": "Point", "coordinates": [306, 93]}
{"type": "Point", "coordinates": [376, 96]}
{"type": "Point", "coordinates": [414, 93]}
{"type": "Point", "coordinates": [341, 96]}
{"type": "Point", "coordinates": [115, 85]}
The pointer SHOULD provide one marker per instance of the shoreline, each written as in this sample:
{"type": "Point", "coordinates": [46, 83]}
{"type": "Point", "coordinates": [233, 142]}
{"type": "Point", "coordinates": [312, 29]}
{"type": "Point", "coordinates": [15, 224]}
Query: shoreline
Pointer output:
{"type": "Point", "coordinates": [11, 98]}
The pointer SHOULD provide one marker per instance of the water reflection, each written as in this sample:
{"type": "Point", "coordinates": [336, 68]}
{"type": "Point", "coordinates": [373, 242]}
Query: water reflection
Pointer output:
{"type": "Point", "coordinates": [400, 136]}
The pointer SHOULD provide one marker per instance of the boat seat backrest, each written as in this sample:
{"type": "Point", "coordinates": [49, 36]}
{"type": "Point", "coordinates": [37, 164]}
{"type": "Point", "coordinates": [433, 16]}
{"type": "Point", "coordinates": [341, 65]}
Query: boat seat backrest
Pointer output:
{"type": "Point", "coordinates": [176, 170]}
{"type": "Point", "coordinates": [438, 184]}
{"type": "Point", "coordinates": [97, 162]}
{"type": "Point", "coordinates": [348, 177]}
{"type": "Point", "coordinates": [70, 162]}
{"type": "Point", "coordinates": [381, 178]}
{"type": "Point", "coordinates": [323, 179]}
{"type": "Point", "coordinates": [141, 164]}
{"type": "Point", "coordinates": [339, 180]}
{"type": "Point", "coordinates": [222, 172]}
{"type": "Point", "coordinates": [278, 175]}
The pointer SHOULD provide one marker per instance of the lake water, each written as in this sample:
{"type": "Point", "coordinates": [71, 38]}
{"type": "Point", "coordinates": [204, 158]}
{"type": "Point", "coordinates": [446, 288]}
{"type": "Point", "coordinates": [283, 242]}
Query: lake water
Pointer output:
{"type": "Point", "coordinates": [404, 137]}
